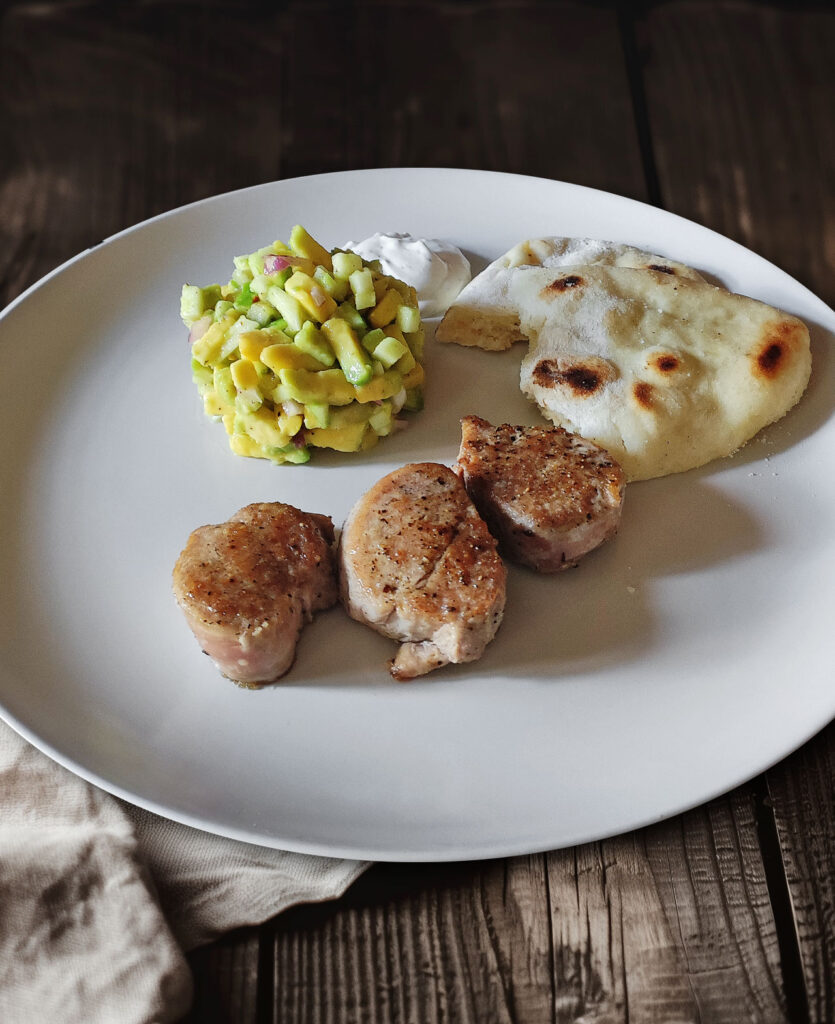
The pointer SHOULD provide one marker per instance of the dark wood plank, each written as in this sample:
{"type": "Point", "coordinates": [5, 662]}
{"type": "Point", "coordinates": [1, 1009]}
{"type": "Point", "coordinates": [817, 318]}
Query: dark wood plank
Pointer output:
{"type": "Point", "coordinates": [742, 110]}
{"type": "Point", "coordinates": [669, 924]}
{"type": "Point", "coordinates": [226, 976]}
{"type": "Point", "coordinates": [114, 113]}
{"type": "Point", "coordinates": [801, 791]}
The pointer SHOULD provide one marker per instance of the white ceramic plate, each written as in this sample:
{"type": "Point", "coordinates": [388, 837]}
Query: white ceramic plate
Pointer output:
{"type": "Point", "coordinates": [677, 661]}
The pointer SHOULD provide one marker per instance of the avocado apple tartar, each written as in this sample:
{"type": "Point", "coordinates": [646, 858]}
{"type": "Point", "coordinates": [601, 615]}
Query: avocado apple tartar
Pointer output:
{"type": "Point", "coordinates": [305, 348]}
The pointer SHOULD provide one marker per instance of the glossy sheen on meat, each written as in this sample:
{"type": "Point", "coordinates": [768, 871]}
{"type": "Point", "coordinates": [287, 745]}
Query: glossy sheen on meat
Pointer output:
{"type": "Point", "coordinates": [418, 564]}
{"type": "Point", "coordinates": [548, 496]}
{"type": "Point", "coordinates": [247, 586]}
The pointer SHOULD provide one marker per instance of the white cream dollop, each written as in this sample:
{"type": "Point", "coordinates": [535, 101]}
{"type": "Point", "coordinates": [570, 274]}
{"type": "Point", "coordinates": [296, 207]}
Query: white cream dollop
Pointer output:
{"type": "Point", "coordinates": [437, 270]}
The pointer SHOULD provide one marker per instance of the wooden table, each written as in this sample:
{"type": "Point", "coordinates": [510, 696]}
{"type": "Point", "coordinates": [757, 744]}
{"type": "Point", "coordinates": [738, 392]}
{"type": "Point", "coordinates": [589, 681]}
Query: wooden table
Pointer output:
{"type": "Point", "coordinates": [723, 112]}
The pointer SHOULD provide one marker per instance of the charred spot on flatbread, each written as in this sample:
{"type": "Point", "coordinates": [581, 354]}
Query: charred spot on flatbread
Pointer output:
{"type": "Point", "coordinates": [562, 284]}
{"type": "Point", "coordinates": [774, 353]}
{"type": "Point", "coordinates": [661, 268]}
{"type": "Point", "coordinates": [664, 362]}
{"type": "Point", "coordinates": [583, 377]}
{"type": "Point", "coordinates": [643, 392]}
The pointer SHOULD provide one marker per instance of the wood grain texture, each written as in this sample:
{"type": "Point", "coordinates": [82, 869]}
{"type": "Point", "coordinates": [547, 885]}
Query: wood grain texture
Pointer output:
{"type": "Point", "coordinates": [740, 106]}
{"type": "Point", "coordinates": [227, 980]}
{"type": "Point", "coordinates": [113, 113]}
{"type": "Point", "coordinates": [801, 791]}
{"type": "Point", "coordinates": [669, 924]}
{"type": "Point", "coordinates": [767, 180]}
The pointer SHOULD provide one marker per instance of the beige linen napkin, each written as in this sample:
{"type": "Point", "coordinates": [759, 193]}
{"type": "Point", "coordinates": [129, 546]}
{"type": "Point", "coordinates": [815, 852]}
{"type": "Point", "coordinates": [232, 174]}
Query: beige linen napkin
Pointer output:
{"type": "Point", "coordinates": [98, 899]}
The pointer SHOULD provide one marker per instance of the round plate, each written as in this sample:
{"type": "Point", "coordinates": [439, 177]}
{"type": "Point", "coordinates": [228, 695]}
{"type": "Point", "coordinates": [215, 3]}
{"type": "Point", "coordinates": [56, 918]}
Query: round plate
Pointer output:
{"type": "Point", "coordinates": [678, 660]}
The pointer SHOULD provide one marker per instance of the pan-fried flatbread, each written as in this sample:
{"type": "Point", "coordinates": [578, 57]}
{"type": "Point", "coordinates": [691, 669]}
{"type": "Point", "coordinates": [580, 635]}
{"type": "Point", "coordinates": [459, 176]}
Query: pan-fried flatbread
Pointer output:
{"type": "Point", "coordinates": [484, 315]}
{"type": "Point", "coordinates": [664, 372]}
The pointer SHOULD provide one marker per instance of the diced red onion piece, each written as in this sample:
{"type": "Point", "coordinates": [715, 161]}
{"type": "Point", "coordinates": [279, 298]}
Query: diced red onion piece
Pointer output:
{"type": "Point", "coordinates": [299, 439]}
{"type": "Point", "coordinates": [275, 264]}
{"type": "Point", "coordinates": [292, 408]}
{"type": "Point", "coordinates": [318, 296]}
{"type": "Point", "coordinates": [199, 328]}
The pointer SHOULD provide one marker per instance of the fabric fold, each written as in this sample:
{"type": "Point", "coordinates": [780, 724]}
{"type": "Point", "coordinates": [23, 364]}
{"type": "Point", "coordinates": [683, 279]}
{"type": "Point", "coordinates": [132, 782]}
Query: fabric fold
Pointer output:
{"type": "Point", "coordinates": [99, 899]}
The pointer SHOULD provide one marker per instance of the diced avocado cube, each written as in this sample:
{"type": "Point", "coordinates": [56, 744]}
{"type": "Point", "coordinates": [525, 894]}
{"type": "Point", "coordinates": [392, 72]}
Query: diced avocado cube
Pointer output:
{"type": "Point", "coordinates": [191, 303]}
{"type": "Point", "coordinates": [355, 319]}
{"type": "Point", "coordinates": [406, 363]}
{"type": "Point", "coordinates": [311, 340]}
{"type": "Point", "coordinates": [336, 288]}
{"type": "Point", "coordinates": [345, 263]}
{"type": "Point", "coordinates": [274, 333]}
{"type": "Point", "coordinates": [222, 309]}
{"type": "Point", "coordinates": [262, 312]}
{"type": "Point", "coordinates": [386, 309]}
{"type": "Point", "coordinates": [372, 339]}
{"type": "Point", "coordinates": [224, 385]}
{"type": "Point", "coordinates": [248, 401]}
{"type": "Point", "coordinates": [349, 352]}
{"type": "Point", "coordinates": [382, 387]}
{"type": "Point", "coordinates": [297, 454]}
{"type": "Point", "coordinates": [415, 340]}
{"type": "Point", "coordinates": [211, 296]}
{"type": "Point", "coordinates": [261, 282]}
{"type": "Point", "coordinates": [304, 244]}
{"type": "Point", "coordinates": [381, 419]}
{"type": "Point", "coordinates": [390, 350]}
{"type": "Point", "coordinates": [202, 376]}
{"type": "Point", "coordinates": [348, 414]}
{"type": "Point", "coordinates": [307, 291]}
{"type": "Point", "coordinates": [362, 285]}
{"type": "Point", "coordinates": [291, 310]}
{"type": "Point", "coordinates": [317, 414]}
{"type": "Point", "coordinates": [408, 319]}
{"type": "Point", "coordinates": [195, 301]}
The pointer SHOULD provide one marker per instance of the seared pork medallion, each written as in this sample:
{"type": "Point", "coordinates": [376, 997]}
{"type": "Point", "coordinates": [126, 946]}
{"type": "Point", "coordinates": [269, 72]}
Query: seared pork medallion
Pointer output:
{"type": "Point", "coordinates": [418, 564]}
{"type": "Point", "coordinates": [548, 496]}
{"type": "Point", "coordinates": [248, 586]}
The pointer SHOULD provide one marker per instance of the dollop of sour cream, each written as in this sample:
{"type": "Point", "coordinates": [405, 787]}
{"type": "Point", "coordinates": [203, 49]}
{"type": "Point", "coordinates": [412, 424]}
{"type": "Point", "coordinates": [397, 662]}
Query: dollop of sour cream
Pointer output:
{"type": "Point", "coordinates": [437, 270]}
